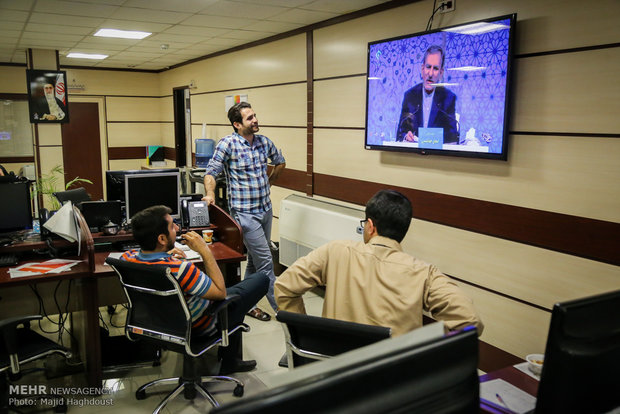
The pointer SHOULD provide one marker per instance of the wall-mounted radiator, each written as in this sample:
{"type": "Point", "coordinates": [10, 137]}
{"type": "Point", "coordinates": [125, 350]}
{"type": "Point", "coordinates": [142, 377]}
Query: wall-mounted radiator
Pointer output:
{"type": "Point", "coordinates": [306, 223]}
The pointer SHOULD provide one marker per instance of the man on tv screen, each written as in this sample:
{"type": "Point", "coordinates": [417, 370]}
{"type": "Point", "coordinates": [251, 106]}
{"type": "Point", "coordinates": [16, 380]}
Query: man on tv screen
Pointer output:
{"type": "Point", "coordinates": [49, 107]}
{"type": "Point", "coordinates": [427, 105]}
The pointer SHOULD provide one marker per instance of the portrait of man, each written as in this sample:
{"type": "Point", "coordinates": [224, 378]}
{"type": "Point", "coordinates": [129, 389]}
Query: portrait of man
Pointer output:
{"type": "Point", "coordinates": [47, 96]}
{"type": "Point", "coordinates": [427, 105]}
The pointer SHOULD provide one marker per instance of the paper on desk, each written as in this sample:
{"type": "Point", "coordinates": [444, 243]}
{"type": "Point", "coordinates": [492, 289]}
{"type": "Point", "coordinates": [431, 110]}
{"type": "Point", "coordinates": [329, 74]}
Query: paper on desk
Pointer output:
{"type": "Point", "coordinates": [63, 223]}
{"type": "Point", "coordinates": [114, 255]}
{"type": "Point", "coordinates": [523, 367]}
{"type": "Point", "coordinates": [514, 399]}
{"type": "Point", "coordinates": [50, 266]}
{"type": "Point", "coordinates": [189, 253]}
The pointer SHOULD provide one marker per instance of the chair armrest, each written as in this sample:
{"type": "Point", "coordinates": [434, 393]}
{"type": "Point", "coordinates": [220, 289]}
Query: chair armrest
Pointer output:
{"type": "Point", "coordinates": [220, 309]}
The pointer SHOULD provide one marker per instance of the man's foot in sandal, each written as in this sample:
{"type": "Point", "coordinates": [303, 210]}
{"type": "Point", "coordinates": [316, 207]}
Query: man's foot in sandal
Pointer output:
{"type": "Point", "coordinates": [259, 314]}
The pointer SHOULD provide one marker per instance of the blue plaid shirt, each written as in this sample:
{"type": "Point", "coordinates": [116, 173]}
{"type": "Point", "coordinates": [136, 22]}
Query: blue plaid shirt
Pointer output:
{"type": "Point", "coordinates": [246, 170]}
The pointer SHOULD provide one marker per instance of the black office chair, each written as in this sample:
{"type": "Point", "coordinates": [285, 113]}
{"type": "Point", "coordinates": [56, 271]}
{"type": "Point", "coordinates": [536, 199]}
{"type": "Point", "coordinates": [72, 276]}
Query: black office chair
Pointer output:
{"type": "Point", "coordinates": [310, 338]}
{"type": "Point", "coordinates": [19, 346]}
{"type": "Point", "coordinates": [75, 195]}
{"type": "Point", "coordinates": [158, 313]}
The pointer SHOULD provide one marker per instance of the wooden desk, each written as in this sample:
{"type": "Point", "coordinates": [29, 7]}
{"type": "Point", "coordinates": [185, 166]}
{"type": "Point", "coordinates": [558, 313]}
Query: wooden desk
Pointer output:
{"type": "Point", "coordinates": [228, 252]}
{"type": "Point", "coordinates": [513, 376]}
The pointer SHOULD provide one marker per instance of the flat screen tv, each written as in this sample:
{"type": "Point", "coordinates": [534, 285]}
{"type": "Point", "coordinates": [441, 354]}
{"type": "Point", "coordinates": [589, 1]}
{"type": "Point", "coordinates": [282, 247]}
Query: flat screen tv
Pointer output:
{"type": "Point", "coordinates": [444, 91]}
{"type": "Point", "coordinates": [47, 96]}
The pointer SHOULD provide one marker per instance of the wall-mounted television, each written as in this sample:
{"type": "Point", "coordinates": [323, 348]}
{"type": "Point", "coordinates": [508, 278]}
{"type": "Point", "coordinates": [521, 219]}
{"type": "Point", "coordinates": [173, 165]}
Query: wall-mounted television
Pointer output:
{"type": "Point", "coordinates": [47, 96]}
{"type": "Point", "coordinates": [444, 91]}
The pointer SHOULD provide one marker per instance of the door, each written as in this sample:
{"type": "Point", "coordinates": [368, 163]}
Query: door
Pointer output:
{"type": "Point", "coordinates": [81, 147]}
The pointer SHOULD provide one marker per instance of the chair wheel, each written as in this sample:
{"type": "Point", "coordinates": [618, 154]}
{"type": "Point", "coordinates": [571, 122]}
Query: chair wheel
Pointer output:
{"type": "Point", "coordinates": [238, 391]}
{"type": "Point", "coordinates": [140, 395]}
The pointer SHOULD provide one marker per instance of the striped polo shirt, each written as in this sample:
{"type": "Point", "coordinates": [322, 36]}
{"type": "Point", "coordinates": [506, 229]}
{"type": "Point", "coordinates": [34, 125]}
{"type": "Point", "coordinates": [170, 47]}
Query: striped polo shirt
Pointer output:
{"type": "Point", "coordinates": [192, 280]}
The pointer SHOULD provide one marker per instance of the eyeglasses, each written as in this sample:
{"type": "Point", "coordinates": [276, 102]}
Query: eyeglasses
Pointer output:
{"type": "Point", "coordinates": [363, 223]}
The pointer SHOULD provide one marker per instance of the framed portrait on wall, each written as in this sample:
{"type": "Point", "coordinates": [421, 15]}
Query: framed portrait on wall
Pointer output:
{"type": "Point", "coordinates": [47, 96]}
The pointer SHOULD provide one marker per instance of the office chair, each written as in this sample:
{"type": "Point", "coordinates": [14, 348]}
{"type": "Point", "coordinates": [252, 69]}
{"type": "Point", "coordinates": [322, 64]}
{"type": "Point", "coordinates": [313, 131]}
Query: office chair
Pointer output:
{"type": "Point", "coordinates": [309, 338]}
{"type": "Point", "coordinates": [76, 195]}
{"type": "Point", "coordinates": [19, 346]}
{"type": "Point", "coordinates": [158, 313]}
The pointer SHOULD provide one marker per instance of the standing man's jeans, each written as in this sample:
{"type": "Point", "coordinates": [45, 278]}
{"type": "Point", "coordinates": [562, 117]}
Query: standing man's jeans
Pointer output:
{"type": "Point", "coordinates": [257, 237]}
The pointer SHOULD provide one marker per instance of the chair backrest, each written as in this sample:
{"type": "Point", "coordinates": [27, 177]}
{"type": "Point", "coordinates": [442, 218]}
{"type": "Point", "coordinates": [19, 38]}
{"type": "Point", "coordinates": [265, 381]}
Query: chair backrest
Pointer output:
{"type": "Point", "coordinates": [412, 373]}
{"type": "Point", "coordinates": [76, 195]}
{"type": "Point", "coordinates": [157, 307]}
{"type": "Point", "coordinates": [310, 338]}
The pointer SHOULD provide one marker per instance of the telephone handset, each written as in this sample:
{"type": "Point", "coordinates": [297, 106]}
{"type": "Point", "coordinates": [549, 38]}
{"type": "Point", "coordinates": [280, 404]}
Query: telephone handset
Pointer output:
{"type": "Point", "coordinates": [195, 213]}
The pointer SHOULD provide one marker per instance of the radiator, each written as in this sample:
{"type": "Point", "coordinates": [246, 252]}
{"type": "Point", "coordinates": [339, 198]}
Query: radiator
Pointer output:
{"type": "Point", "coordinates": [306, 223]}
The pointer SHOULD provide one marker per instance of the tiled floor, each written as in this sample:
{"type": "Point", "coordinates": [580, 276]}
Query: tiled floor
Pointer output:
{"type": "Point", "coordinates": [264, 343]}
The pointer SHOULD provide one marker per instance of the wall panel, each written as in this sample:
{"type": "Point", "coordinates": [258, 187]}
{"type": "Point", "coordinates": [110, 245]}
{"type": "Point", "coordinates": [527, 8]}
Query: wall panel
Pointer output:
{"type": "Point", "coordinates": [133, 134]}
{"type": "Point", "coordinates": [272, 63]}
{"type": "Point", "coordinates": [557, 93]}
{"type": "Point", "coordinates": [510, 325]}
{"type": "Point", "coordinates": [133, 109]}
{"type": "Point", "coordinates": [340, 102]}
{"type": "Point", "coordinates": [538, 276]}
{"type": "Point", "coordinates": [110, 82]}
{"type": "Point", "coordinates": [566, 175]}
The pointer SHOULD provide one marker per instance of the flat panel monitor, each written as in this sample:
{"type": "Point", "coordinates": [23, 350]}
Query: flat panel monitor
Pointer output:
{"type": "Point", "coordinates": [146, 190]}
{"type": "Point", "coordinates": [581, 371]}
{"type": "Point", "coordinates": [391, 376]}
{"type": "Point", "coordinates": [15, 208]}
{"type": "Point", "coordinates": [443, 92]}
{"type": "Point", "coordinates": [115, 181]}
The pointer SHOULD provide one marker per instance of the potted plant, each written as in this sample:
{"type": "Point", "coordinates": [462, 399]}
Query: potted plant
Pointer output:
{"type": "Point", "coordinates": [47, 185]}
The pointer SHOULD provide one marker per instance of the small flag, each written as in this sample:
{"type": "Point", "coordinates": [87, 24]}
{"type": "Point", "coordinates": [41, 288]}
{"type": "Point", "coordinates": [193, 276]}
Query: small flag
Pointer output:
{"type": "Point", "coordinates": [60, 88]}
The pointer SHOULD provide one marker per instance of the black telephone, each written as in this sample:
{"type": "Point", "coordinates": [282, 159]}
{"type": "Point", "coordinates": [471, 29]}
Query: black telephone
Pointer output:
{"type": "Point", "coordinates": [195, 213]}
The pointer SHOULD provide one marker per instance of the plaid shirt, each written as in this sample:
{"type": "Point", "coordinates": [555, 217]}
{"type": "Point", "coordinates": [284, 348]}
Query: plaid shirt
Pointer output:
{"type": "Point", "coordinates": [246, 170]}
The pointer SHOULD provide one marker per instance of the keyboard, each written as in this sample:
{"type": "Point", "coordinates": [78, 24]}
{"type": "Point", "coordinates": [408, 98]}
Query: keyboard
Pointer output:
{"type": "Point", "coordinates": [8, 259]}
{"type": "Point", "coordinates": [132, 245]}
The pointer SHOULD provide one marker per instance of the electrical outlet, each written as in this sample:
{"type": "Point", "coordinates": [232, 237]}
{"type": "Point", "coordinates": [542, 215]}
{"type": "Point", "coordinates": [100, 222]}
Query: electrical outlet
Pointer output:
{"type": "Point", "coordinates": [448, 6]}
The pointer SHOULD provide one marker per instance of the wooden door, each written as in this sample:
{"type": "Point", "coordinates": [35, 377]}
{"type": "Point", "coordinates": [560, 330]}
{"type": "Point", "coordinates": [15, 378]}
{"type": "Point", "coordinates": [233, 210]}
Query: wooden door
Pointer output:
{"type": "Point", "coordinates": [81, 147]}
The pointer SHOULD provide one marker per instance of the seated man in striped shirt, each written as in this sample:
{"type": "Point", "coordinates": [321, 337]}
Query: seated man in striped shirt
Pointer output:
{"type": "Point", "coordinates": [156, 233]}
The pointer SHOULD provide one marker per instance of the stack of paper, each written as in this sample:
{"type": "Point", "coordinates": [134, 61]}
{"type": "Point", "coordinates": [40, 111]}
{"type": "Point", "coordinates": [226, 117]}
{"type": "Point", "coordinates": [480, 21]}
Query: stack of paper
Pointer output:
{"type": "Point", "coordinates": [506, 397]}
{"type": "Point", "coordinates": [189, 253]}
{"type": "Point", "coordinates": [50, 266]}
{"type": "Point", "coordinates": [63, 223]}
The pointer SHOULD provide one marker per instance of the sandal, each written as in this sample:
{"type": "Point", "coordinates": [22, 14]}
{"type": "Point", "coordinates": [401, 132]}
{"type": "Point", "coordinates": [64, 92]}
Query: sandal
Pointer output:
{"type": "Point", "coordinates": [259, 314]}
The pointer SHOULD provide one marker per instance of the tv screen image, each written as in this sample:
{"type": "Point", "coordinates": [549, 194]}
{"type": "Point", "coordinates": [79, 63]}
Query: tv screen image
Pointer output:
{"type": "Point", "coordinates": [442, 92]}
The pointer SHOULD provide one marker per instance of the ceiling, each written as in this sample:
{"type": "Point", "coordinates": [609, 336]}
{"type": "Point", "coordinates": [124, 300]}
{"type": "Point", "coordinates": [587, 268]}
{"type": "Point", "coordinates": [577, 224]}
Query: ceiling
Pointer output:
{"type": "Point", "coordinates": [182, 29]}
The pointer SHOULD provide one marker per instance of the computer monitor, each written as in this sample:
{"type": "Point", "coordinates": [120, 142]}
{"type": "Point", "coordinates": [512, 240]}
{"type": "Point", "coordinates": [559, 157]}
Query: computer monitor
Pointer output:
{"type": "Point", "coordinates": [15, 208]}
{"type": "Point", "coordinates": [99, 213]}
{"type": "Point", "coordinates": [390, 376]}
{"type": "Point", "coordinates": [146, 190]}
{"type": "Point", "coordinates": [581, 371]}
{"type": "Point", "coordinates": [115, 181]}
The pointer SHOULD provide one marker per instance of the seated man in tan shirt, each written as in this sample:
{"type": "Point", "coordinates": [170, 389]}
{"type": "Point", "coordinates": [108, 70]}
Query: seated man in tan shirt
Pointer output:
{"type": "Point", "coordinates": [374, 282]}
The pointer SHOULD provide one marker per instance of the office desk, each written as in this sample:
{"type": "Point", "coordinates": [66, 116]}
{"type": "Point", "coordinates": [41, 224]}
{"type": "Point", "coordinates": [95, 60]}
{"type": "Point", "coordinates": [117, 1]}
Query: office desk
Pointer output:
{"type": "Point", "coordinates": [513, 376]}
{"type": "Point", "coordinates": [92, 272]}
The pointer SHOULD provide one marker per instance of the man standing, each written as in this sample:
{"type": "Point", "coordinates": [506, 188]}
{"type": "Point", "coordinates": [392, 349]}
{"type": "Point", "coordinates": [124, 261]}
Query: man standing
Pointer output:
{"type": "Point", "coordinates": [374, 282]}
{"type": "Point", "coordinates": [49, 108]}
{"type": "Point", "coordinates": [243, 155]}
{"type": "Point", "coordinates": [155, 232]}
{"type": "Point", "coordinates": [428, 106]}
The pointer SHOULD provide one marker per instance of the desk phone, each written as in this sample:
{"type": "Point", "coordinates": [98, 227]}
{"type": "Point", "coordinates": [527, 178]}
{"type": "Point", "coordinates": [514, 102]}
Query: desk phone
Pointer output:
{"type": "Point", "coordinates": [196, 213]}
